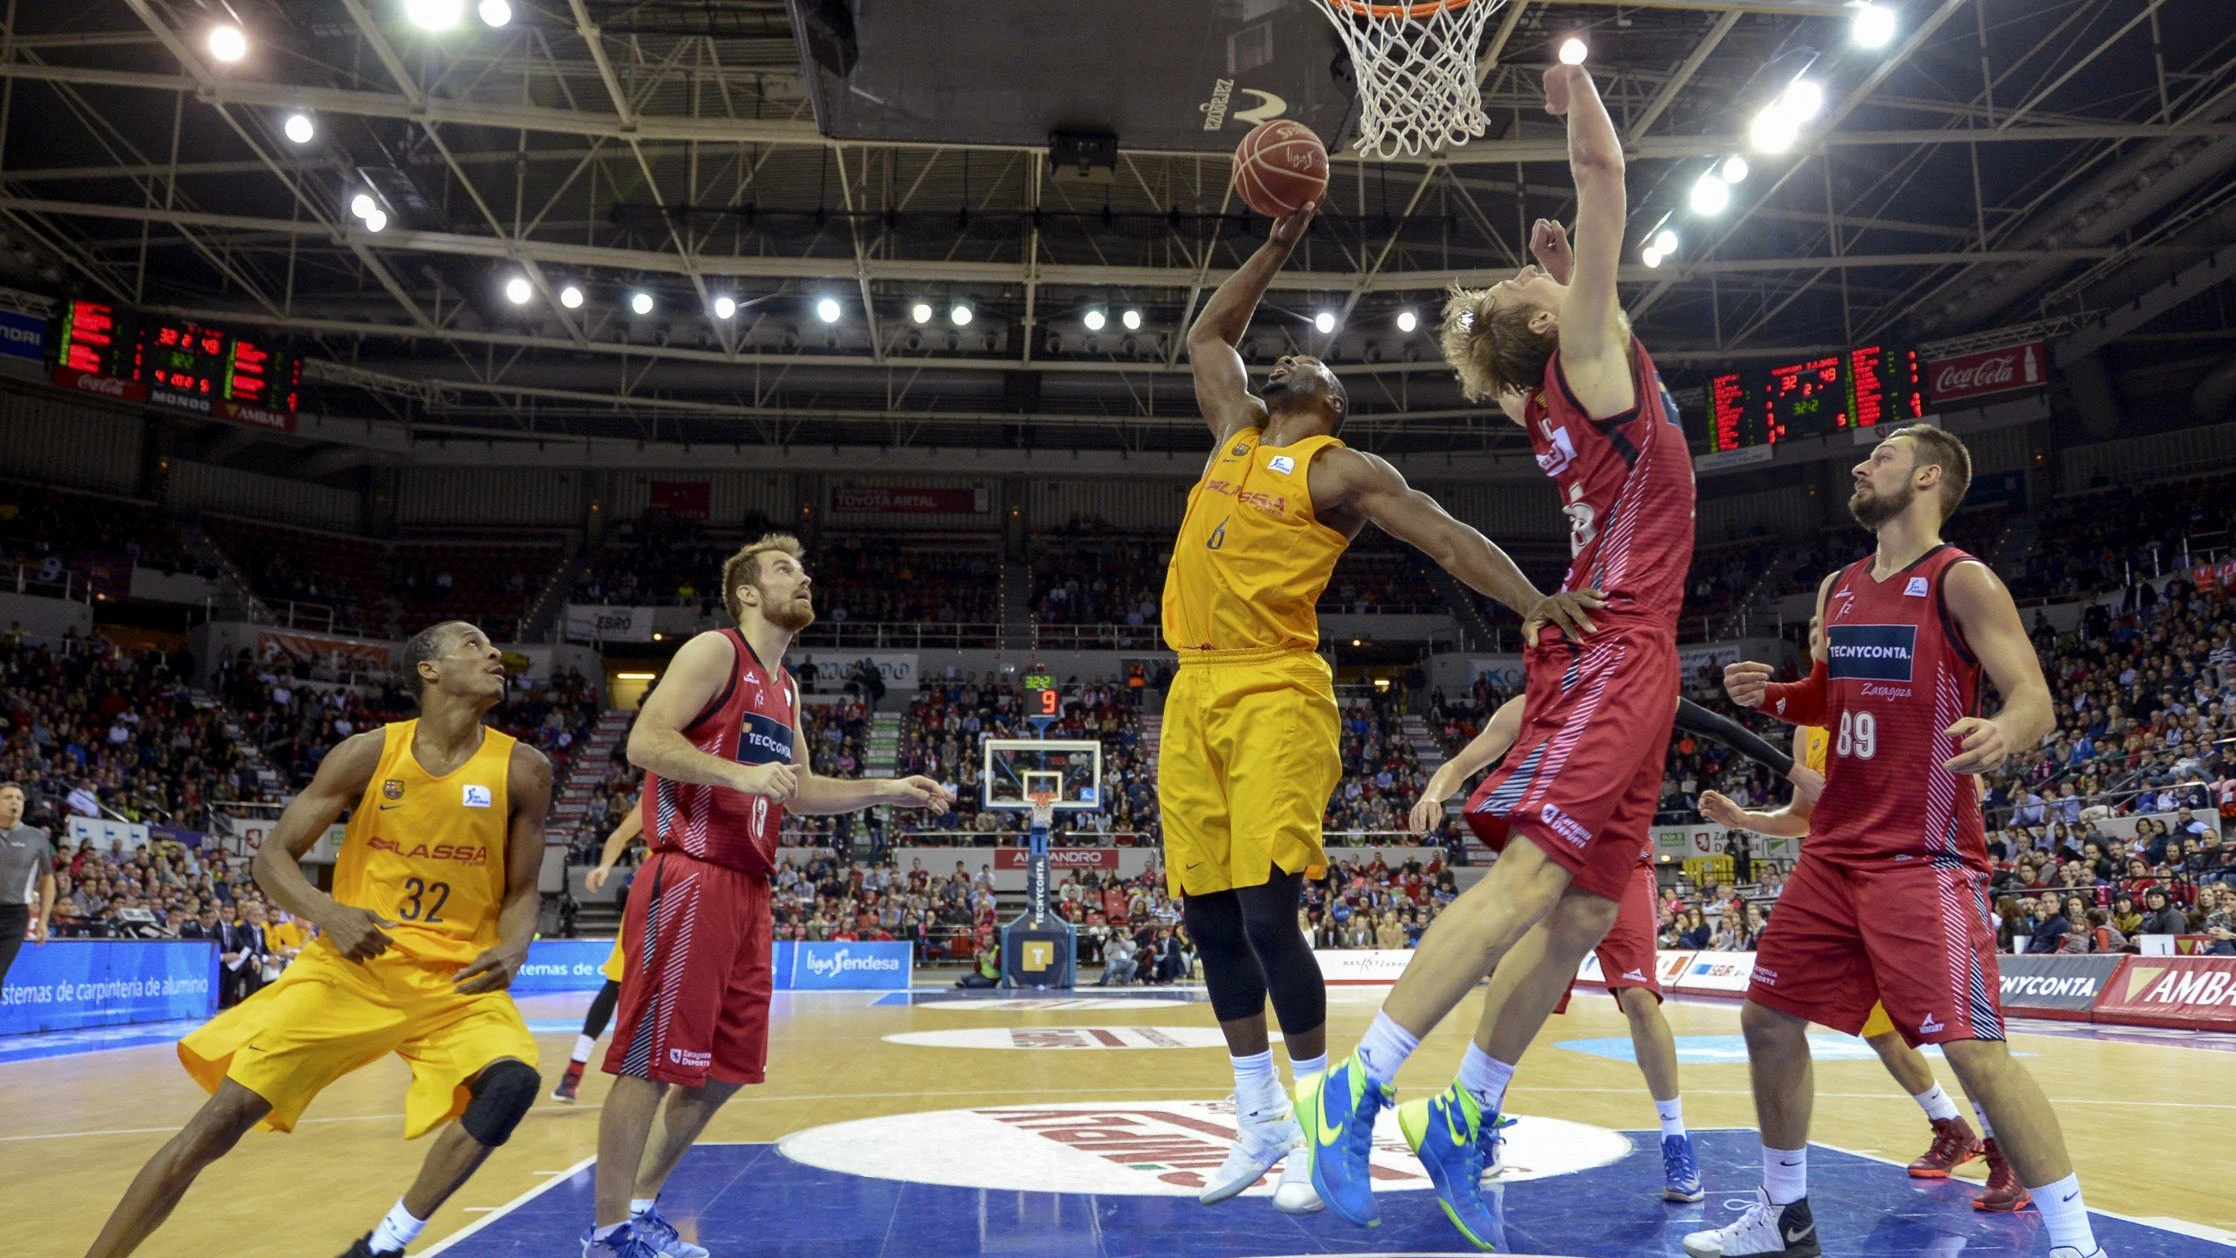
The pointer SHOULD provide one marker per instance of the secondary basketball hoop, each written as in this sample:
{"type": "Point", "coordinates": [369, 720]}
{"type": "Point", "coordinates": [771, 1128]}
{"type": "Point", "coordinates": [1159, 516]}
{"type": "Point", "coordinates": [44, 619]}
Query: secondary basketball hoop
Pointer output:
{"type": "Point", "coordinates": [1416, 71]}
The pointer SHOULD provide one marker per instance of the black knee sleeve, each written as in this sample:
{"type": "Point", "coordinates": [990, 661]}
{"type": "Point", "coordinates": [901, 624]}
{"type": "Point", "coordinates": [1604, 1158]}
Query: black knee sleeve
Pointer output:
{"type": "Point", "coordinates": [1292, 976]}
{"type": "Point", "coordinates": [601, 1010]}
{"type": "Point", "coordinates": [1230, 970]}
{"type": "Point", "coordinates": [501, 1094]}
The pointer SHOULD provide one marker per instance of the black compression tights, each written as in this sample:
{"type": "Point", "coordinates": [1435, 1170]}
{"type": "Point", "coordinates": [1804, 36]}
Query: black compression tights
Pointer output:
{"type": "Point", "coordinates": [1252, 948]}
{"type": "Point", "coordinates": [601, 1009]}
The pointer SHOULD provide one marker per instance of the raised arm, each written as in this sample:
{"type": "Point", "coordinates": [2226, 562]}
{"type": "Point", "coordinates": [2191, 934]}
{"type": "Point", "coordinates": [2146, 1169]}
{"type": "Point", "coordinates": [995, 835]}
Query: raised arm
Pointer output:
{"type": "Point", "coordinates": [822, 796]}
{"type": "Point", "coordinates": [1981, 606]}
{"type": "Point", "coordinates": [528, 785]}
{"type": "Point", "coordinates": [339, 783]}
{"type": "Point", "coordinates": [1222, 383]}
{"type": "Point", "coordinates": [695, 678]}
{"type": "Point", "coordinates": [1595, 343]}
{"type": "Point", "coordinates": [1366, 487]}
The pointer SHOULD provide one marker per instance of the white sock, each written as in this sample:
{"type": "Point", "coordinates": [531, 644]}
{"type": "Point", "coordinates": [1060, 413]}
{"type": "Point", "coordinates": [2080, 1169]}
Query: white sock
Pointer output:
{"type": "Point", "coordinates": [396, 1231]}
{"type": "Point", "coordinates": [1385, 1048]}
{"type": "Point", "coordinates": [1987, 1129]}
{"type": "Point", "coordinates": [2066, 1214]}
{"type": "Point", "coordinates": [584, 1046]}
{"type": "Point", "coordinates": [600, 1233]}
{"type": "Point", "coordinates": [1785, 1174]}
{"type": "Point", "coordinates": [638, 1205]}
{"type": "Point", "coordinates": [1256, 1087]}
{"type": "Point", "coordinates": [1935, 1103]}
{"type": "Point", "coordinates": [1672, 1113]}
{"type": "Point", "coordinates": [1303, 1068]}
{"type": "Point", "coordinates": [1485, 1077]}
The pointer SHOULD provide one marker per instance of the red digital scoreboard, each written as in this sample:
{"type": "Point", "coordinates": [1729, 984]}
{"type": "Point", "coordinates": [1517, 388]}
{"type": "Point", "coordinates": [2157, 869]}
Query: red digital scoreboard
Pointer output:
{"type": "Point", "coordinates": [177, 363]}
{"type": "Point", "coordinates": [1857, 388]}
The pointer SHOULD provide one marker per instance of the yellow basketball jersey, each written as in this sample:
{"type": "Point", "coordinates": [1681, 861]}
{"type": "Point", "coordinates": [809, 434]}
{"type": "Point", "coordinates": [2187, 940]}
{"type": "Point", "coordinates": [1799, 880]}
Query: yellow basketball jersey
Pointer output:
{"type": "Point", "coordinates": [427, 852]}
{"type": "Point", "coordinates": [1814, 740]}
{"type": "Point", "coordinates": [1251, 560]}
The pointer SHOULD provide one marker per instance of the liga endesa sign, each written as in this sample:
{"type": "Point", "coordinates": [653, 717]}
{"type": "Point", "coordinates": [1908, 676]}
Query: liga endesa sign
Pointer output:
{"type": "Point", "coordinates": [2190, 992]}
{"type": "Point", "coordinates": [1060, 859]}
{"type": "Point", "coordinates": [1986, 371]}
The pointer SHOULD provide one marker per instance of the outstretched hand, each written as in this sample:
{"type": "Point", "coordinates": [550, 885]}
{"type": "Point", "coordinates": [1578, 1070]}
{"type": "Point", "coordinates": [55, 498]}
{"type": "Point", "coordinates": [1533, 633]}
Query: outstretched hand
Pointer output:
{"type": "Point", "coordinates": [1564, 611]}
{"type": "Point", "coordinates": [1560, 84]}
{"type": "Point", "coordinates": [1290, 228]}
{"type": "Point", "coordinates": [1548, 243]}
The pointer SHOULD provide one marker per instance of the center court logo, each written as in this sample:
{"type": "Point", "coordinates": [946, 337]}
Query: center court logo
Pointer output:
{"type": "Point", "coordinates": [1155, 1148]}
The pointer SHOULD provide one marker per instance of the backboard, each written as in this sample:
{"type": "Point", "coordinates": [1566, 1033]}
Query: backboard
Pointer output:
{"type": "Point", "coordinates": [1015, 767]}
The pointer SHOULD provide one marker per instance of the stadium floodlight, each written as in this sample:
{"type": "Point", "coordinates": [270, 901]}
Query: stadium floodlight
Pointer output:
{"type": "Point", "coordinates": [435, 15]}
{"type": "Point", "coordinates": [1734, 169]}
{"type": "Point", "coordinates": [376, 220]}
{"type": "Point", "coordinates": [1773, 131]}
{"type": "Point", "coordinates": [1573, 51]}
{"type": "Point", "coordinates": [725, 306]}
{"type": "Point", "coordinates": [1802, 100]}
{"type": "Point", "coordinates": [228, 43]}
{"type": "Point", "coordinates": [1873, 26]}
{"type": "Point", "coordinates": [1650, 256]}
{"type": "Point", "coordinates": [518, 290]}
{"type": "Point", "coordinates": [828, 310]}
{"type": "Point", "coordinates": [641, 302]}
{"type": "Point", "coordinates": [363, 206]}
{"type": "Point", "coordinates": [495, 12]}
{"type": "Point", "coordinates": [921, 312]}
{"type": "Point", "coordinates": [1710, 196]}
{"type": "Point", "coordinates": [960, 314]}
{"type": "Point", "coordinates": [299, 128]}
{"type": "Point", "coordinates": [1324, 322]}
{"type": "Point", "coordinates": [1094, 320]}
{"type": "Point", "coordinates": [1665, 242]}
{"type": "Point", "coordinates": [1407, 321]}
{"type": "Point", "coordinates": [1131, 318]}
{"type": "Point", "coordinates": [570, 297]}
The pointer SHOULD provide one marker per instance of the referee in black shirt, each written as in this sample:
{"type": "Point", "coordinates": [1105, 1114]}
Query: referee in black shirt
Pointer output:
{"type": "Point", "coordinates": [26, 871]}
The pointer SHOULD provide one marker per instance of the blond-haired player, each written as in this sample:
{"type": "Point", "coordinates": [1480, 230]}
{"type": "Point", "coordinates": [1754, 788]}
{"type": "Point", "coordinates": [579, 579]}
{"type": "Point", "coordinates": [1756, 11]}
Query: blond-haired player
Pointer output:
{"type": "Point", "coordinates": [433, 908]}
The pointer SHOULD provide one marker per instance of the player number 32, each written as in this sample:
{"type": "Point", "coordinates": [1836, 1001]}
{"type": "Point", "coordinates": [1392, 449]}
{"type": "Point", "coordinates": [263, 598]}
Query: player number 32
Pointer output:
{"type": "Point", "coordinates": [423, 901]}
{"type": "Point", "coordinates": [1859, 735]}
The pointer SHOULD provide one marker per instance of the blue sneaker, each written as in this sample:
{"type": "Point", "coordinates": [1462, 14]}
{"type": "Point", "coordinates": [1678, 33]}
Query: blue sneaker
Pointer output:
{"type": "Point", "coordinates": [1337, 1111]}
{"type": "Point", "coordinates": [1680, 1170]}
{"type": "Point", "coordinates": [1449, 1133]}
{"type": "Point", "coordinates": [662, 1236]}
{"type": "Point", "coordinates": [622, 1242]}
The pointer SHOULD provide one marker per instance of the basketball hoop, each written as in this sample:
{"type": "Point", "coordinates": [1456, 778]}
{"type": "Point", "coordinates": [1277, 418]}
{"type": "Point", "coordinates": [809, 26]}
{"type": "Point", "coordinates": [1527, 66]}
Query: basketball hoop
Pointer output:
{"type": "Point", "coordinates": [1416, 71]}
{"type": "Point", "coordinates": [1044, 808]}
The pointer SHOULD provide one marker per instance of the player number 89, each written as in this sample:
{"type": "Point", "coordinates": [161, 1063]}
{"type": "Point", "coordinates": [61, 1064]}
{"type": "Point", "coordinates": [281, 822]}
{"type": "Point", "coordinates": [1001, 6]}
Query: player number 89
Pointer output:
{"type": "Point", "coordinates": [1859, 735]}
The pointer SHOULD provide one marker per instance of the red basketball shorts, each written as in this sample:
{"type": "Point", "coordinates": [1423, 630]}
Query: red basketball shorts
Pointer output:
{"type": "Point", "coordinates": [1912, 935]}
{"type": "Point", "coordinates": [1626, 955]}
{"type": "Point", "coordinates": [695, 991]}
{"type": "Point", "coordinates": [1584, 775]}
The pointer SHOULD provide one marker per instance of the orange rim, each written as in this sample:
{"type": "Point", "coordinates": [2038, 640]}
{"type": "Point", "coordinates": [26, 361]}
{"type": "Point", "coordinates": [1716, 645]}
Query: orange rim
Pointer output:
{"type": "Point", "coordinates": [1427, 8]}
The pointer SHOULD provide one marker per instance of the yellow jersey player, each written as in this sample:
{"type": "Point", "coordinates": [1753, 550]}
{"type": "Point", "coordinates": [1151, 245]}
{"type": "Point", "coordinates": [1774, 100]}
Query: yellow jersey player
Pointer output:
{"type": "Point", "coordinates": [433, 907]}
{"type": "Point", "coordinates": [601, 1005]}
{"type": "Point", "coordinates": [1250, 752]}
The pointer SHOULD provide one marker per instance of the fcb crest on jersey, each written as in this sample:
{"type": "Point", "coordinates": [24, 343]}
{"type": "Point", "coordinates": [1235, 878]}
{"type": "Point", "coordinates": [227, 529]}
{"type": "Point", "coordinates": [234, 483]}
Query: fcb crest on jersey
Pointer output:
{"type": "Point", "coordinates": [1872, 652]}
{"type": "Point", "coordinates": [392, 789]}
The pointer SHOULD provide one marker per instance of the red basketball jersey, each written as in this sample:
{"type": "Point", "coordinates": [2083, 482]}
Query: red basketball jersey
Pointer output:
{"type": "Point", "coordinates": [750, 722]}
{"type": "Point", "coordinates": [1900, 674]}
{"type": "Point", "coordinates": [1626, 486]}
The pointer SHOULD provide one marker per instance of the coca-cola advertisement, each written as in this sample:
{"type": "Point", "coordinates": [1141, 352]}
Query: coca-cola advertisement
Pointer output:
{"type": "Point", "coordinates": [2012, 367]}
{"type": "Point", "coordinates": [99, 385]}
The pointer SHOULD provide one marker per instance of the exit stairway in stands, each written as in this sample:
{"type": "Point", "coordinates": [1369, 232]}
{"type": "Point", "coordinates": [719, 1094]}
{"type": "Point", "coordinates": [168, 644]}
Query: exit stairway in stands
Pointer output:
{"type": "Point", "coordinates": [590, 762]}
{"type": "Point", "coordinates": [883, 757]}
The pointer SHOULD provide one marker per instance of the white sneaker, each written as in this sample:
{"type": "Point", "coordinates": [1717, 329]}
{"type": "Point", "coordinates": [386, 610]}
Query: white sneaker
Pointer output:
{"type": "Point", "coordinates": [1261, 1140]}
{"type": "Point", "coordinates": [1787, 1231]}
{"type": "Point", "coordinates": [1293, 1192]}
{"type": "Point", "coordinates": [2068, 1251]}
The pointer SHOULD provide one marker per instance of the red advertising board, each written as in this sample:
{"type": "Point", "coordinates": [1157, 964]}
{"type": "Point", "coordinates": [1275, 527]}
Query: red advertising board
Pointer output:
{"type": "Point", "coordinates": [1982, 372]}
{"type": "Point", "coordinates": [99, 385]}
{"type": "Point", "coordinates": [891, 500]}
{"type": "Point", "coordinates": [2196, 993]}
{"type": "Point", "coordinates": [1060, 859]}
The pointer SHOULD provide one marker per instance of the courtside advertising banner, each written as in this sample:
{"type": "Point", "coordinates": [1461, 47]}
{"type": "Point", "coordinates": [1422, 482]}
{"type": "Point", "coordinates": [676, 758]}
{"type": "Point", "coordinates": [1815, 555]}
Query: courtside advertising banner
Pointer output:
{"type": "Point", "coordinates": [2055, 985]}
{"type": "Point", "coordinates": [842, 965]}
{"type": "Point", "coordinates": [1060, 859]}
{"type": "Point", "coordinates": [2197, 993]}
{"type": "Point", "coordinates": [1720, 973]}
{"type": "Point", "coordinates": [72, 983]}
{"type": "Point", "coordinates": [562, 965]}
{"type": "Point", "coordinates": [1361, 967]}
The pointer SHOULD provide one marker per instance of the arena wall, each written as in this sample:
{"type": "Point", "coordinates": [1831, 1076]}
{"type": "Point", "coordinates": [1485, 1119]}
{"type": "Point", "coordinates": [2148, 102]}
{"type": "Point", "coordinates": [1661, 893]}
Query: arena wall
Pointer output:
{"type": "Point", "coordinates": [207, 487]}
{"type": "Point", "coordinates": [58, 440]}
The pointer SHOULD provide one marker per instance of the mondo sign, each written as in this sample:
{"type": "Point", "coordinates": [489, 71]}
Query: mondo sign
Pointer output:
{"type": "Point", "coordinates": [1984, 372]}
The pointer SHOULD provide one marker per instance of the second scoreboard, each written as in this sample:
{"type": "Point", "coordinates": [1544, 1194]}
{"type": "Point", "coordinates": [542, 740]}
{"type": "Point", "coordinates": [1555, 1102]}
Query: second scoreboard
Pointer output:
{"type": "Point", "coordinates": [1858, 388]}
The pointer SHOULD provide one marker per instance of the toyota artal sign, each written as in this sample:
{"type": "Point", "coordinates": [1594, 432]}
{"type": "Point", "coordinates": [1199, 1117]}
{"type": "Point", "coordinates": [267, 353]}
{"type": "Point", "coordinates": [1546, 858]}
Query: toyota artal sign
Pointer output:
{"type": "Point", "coordinates": [1986, 371]}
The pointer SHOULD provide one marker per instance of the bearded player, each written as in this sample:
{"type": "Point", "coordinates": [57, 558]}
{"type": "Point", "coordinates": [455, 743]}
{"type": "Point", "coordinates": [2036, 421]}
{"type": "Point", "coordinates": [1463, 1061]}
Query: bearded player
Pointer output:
{"type": "Point", "coordinates": [1250, 750]}
{"type": "Point", "coordinates": [1580, 784]}
{"type": "Point", "coordinates": [1954, 1141]}
{"type": "Point", "coordinates": [719, 741]}
{"type": "Point", "coordinates": [1627, 957]}
{"type": "Point", "coordinates": [433, 908]}
{"type": "Point", "coordinates": [1888, 902]}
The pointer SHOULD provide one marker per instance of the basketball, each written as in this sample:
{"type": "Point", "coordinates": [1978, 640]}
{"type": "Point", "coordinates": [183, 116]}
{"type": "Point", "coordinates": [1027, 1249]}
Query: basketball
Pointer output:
{"type": "Point", "coordinates": [1279, 167]}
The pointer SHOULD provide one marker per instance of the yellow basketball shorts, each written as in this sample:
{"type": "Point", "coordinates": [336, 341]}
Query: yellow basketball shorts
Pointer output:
{"type": "Point", "coordinates": [326, 1016]}
{"type": "Point", "coordinates": [612, 967]}
{"type": "Point", "coordinates": [1878, 1023]}
{"type": "Point", "coordinates": [1246, 761]}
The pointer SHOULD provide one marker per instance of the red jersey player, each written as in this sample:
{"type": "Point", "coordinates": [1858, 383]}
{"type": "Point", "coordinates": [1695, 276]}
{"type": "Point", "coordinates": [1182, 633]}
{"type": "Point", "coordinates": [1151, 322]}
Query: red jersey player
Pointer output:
{"type": "Point", "coordinates": [1888, 901]}
{"type": "Point", "coordinates": [719, 742]}
{"type": "Point", "coordinates": [1581, 782]}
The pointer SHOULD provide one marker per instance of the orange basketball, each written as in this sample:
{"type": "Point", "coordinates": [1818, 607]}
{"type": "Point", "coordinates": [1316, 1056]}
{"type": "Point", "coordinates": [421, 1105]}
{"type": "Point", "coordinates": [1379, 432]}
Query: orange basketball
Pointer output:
{"type": "Point", "coordinates": [1279, 166]}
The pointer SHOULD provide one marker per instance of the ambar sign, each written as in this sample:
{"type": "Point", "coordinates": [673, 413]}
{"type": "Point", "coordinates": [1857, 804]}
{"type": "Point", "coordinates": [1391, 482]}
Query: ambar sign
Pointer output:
{"type": "Point", "coordinates": [2172, 992]}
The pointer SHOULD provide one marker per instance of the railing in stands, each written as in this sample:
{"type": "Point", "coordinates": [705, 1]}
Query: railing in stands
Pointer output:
{"type": "Point", "coordinates": [827, 635]}
{"type": "Point", "coordinates": [51, 581]}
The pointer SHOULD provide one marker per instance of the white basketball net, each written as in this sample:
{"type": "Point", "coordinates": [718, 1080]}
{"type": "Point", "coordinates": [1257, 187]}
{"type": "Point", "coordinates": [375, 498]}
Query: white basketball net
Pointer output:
{"type": "Point", "coordinates": [1416, 71]}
